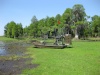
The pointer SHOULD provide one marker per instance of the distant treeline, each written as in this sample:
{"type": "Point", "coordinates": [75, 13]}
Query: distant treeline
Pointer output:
{"type": "Point", "coordinates": [73, 21]}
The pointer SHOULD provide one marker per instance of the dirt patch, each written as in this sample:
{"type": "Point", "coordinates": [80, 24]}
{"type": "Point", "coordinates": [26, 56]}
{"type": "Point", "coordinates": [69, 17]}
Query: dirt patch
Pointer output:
{"type": "Point", "coordinates": [15, 67]}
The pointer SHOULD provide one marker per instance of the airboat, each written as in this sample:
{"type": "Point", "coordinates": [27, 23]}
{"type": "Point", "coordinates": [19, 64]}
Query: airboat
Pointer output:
{"type": "Point", "coordinates": [60, 42]}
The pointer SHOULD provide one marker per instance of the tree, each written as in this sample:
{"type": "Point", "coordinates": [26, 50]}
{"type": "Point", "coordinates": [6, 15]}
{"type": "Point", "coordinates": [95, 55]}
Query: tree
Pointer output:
{"type": "Point", "coordinates": [51, 21]}
{"type": "Point", "coordinates": [78, 12]}
{"type": "Point", "coordinates": [41, 25]}
{"type": "Point", "coordinates": [96, 25]}
{"type": "Point", "coordinates": [67, 20]}
{"type": "Point", "coordinates": [13, 30]}
{"type": "Point", "coordinates": [33, 27]}
{"type": "Point", "coordinates": [19, 29]}
{"type": "Point", "coordinates": [34, 19]}
{"type": "Point", "coordinates": [49, 26]}
{"type": "Point", "coordinates": [26, 31]}
{"type": "Point", "coordinates": [57, 21]}
{"type": "Point", "coordinates": [95, 17]}
{"type": "Point", "coordinates": [6, 29]}
{"type": "Point", "coordinates": [58, 17]}
{"type": "Point", "coordinates": [67, 16]}
{"type": "Point", "coordinates": [78, 15]}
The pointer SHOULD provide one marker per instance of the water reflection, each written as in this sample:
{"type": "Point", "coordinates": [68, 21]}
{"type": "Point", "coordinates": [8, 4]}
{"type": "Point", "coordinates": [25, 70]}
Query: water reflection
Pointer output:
{"type": "Point", "coordinates": [12, 48]}
{"type": "Point", "coordinates": [2, 49]}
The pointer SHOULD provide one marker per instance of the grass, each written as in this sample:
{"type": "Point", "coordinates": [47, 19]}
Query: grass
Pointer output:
{"type": "Point", "coordinates": [2, 38]}
{"type": "Point", "coordinates": [82, 59]}
{"type": "Point", "coordinates": [94, 39]}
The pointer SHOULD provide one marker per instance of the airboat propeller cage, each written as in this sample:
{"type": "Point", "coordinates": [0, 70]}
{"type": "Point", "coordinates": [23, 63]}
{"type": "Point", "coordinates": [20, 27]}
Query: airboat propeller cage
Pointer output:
{"type": "Point", "coordinates": [68, 39]}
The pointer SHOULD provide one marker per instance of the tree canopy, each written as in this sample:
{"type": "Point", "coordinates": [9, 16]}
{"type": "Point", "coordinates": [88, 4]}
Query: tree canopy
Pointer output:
{"type": "Point", "coordinates": [73, 21]}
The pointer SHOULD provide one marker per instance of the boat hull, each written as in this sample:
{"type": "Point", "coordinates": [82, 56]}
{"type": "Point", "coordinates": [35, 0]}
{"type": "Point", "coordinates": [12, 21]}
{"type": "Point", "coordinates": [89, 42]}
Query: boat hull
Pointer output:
{"type": "Point", "coordinates": [50, 46]}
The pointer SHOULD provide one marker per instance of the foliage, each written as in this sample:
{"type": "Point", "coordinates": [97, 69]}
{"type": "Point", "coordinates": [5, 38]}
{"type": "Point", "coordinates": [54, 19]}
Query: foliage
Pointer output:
{"type": "Point", "coordinates": [73, 21]}
{"type": "Point", "coordinates": [96, 25]}
{"type": "Point", "coordinates": [67, 16]}
{"type": "Point", "coordinates": [78, 12]}
{"type": "Point", "coordinates": [13, 30]}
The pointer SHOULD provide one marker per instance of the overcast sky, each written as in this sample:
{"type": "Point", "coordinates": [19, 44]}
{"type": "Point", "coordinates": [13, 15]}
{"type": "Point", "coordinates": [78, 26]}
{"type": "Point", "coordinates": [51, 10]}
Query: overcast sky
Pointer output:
{"type": "Point", "coordinates": [22, 11]}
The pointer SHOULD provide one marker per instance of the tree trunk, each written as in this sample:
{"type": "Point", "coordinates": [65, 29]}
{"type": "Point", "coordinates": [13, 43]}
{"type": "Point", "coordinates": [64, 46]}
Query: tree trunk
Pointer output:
{"type": "Point", "coordinates": [76, 34]}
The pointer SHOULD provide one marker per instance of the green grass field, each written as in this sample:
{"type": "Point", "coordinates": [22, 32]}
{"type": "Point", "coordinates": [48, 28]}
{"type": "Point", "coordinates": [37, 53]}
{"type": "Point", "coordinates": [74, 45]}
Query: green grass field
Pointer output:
{"type": "Point", "coordinates": [82, 59]}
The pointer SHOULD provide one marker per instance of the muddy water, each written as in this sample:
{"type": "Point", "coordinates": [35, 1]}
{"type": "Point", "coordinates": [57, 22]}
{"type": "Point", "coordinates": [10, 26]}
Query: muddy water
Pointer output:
{"type": "Point", "coordinates": [12, 48]}
{"type": "Point", "coordinates": [11, 66]}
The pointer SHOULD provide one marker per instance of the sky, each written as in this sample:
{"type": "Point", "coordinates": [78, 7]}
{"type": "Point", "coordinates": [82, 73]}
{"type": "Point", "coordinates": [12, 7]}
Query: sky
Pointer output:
{"type": "Point", "coordinates": [22, 11]}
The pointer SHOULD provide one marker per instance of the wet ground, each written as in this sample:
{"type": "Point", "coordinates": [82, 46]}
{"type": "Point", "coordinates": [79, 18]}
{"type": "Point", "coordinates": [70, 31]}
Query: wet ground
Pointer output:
{"type": "Point", "coordinates": [15, 67]}
{"type": "Point", "coordinates": [12, 48]}
{"type": "Point", "coordinates": [10, 65]}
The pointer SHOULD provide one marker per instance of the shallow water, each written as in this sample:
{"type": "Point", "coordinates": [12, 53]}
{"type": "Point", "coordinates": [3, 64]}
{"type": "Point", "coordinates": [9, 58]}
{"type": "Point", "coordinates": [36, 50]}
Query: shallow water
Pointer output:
{"type": "Point", "coordinates": [12, 48]}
